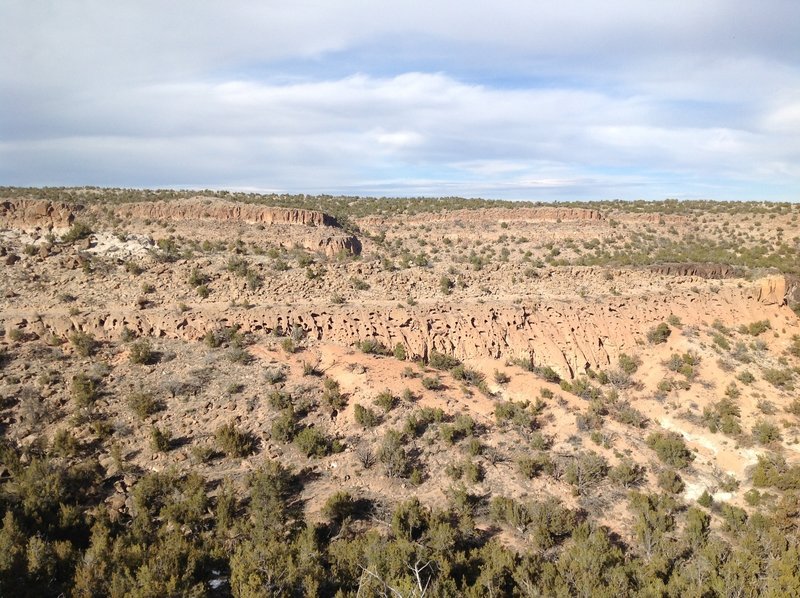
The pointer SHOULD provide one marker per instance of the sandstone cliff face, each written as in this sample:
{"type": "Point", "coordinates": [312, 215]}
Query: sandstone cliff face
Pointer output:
{"type": "Point", "coordinates": [199, 209]}
{"type": "Point", "coordinates": [31, 213]}
{"type": "Point", "coordinates": [496, 215]}
{"type": "Point", "coordinates": [324, 234]}
{"type": "Point", "coordinates": [568, 337]}
{"type": "Point", "coordinates": [772, 290]}
{"type": "Point", "coordinates": [713, 271]}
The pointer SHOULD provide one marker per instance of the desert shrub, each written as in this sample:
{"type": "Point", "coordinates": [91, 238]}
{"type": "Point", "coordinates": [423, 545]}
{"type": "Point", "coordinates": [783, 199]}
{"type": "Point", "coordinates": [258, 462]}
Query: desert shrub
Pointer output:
{"type": "Point", "coordinates": [659, 334]}
{"type": "Point", "coordinates": [467, 375]}
{"type": "Point", "coordinates": [721, 341]}
{"type": "Point", "coordinates": [160, 439]}
{"type": "Point", "coordinates": [585, 470]}
{"type": "Point", "coordinates": [625, 413]}
{"type": "Point", "coordinates": [794, 348]}
{"type": "Point", "coordinates": [416, 423]}
{"type": "Point", "coordinates": [197, 278]}
{"type": "Point", "coordinates": [627, 474]}
{"type": "Point", "coordinates": [359, 284]}
{"type": "Point", "coordinates": [239, 355]}
{"type": "Point", "coordinates": [746, 377]}
{"type": "Point", "coordinates": [79, 230]}
{"type": "Point", "coordinates": [84, 343]}
{"type": "Point", "coordinates": [400, 352]}
{"type": "Point", "coordinates": [531, 466]}
{"type": "Point", "coordinates": [277, 399]}
{"type": "Point", "coordinates": [547, 373]}
{"type": "Point", "coordinates": [501, 377]}
{"type": "Point", "coordinates": [84, 390]}
{"type": "Point", "coordinates": [772, 471]}
{"type": "Point", "coordinates": [756, 328]}
{"type": "Point", "coordinates": [284, 426]}
{"type": "Point", "coordinates": [372, 346]}
{"type": "Point", "coordinates": [312, 442]}
{"type": "Point", "coordinates": [629, 364]}
{"type": "Point", "coordinates": [332, 394]}
{"type": "Point", "coordinates": [432, 383]}
{"type": "Point", "coordinates": [392, 454]}
{"type": "Point", "coordinates": [517, 413]}
{"type": "Point", "coordinates": [233, 441]}
{"type": "Point", "coordinates": [64, 443]}
{"type": "Point", "coordinates": [723, 416]}
{"type": "Point", "coordinates": [779, 378]}
{"type": "Point", "coordinates": [238, 266]}
{"type": "Point", "coordinates": [446, 284]}
{"type": "Point", "coordinates": [581, 387]}
{"type": "Point", "coordinates": [275, 375]}
{"type": "Point", "coordinates": [386, 401]}
{"type": "Point", "coordinates": [670, 448]}
{"type": "Point", "coordinates": [365, 417]}
{"type": "Point", "coordinates": [670, 481]}
{"type": "Point", "coordinates": [339, 506]}
{"type": "Point", "coordinates": [441, 361]}
{"type": "Point", "coordinates": [143, 404]}
{"type": "Point", "coordinates": [142, 352]}
{"type": "Point", "coordinates": [765, 432]}
{"type": "Point", "coordinates": [794, 407]}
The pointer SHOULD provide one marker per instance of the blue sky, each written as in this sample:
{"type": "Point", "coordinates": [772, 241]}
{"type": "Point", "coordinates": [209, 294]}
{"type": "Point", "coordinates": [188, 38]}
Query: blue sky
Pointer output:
{"type": "Point", "coordinates": [521, 100]}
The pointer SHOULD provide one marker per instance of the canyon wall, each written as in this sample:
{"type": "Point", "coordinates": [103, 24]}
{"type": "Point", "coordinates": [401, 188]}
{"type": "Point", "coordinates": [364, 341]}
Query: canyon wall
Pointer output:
{"type": "Point", "coordinates": [569, 337]}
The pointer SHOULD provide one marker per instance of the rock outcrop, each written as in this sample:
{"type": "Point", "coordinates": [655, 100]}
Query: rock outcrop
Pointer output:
{"type": "Point", "coordinates": [772, 290]}
{"type": "Point", "coordinates": [568, 337]}
{"type": "Point", "coordinates": [33, 213]}
{"type": "Point", "coordinates": [706, 270]}
{"type": "Point", "coordinates": [517, 215]}
{"type": "Point", "coordinates": [324, 233]}
{"type": "Point", "coordinates": [222, 211]}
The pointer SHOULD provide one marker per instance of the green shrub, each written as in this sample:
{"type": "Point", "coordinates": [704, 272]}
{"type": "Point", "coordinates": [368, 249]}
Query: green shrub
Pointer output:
{"type": "Point", "coordinates": [440, 361]}
{"type": "Point", "coordinates": [84, 390]}
{"type": "Point", "coordinates": [143, 404]}
{"type": "Point", "coordinates": [659, 334]}
{"type": "Point", "coordinates": [765, 432]}
{"type": "Point", "coordinates": [142, 352]}
{"type": "Point", "coordinates": [365, 417]}
{"type": "Point", "coordinates": [670, 448]}
{"type": "Point", "coordinates": [585, 470]}
{"type": "Point", "coordinates": [400, 352]}
{"type": "Point", "coordinates": [234, 442]}
{"type": "Point", "coordinates": [779, 378]}
{"type": "Point", "coordinates": [386, 401]}
{"type": "Point", "coordinates": [372, 346]}
{"type": "Point", "coordinates": [548, 373]}
{"type": "Point", "coordinates": [339, 506]}
{"type": "Point", "coordinates": [79, 230]}
{"type": "Point", "coordinates": [284, 427]}
{"type": "Point", "coordinates": [670, 481]}
{"type": "Point", "coordinates": [392, 454]}
{"type": "Point", "coordinates": [312, 442]}
{"type": "Point", "coordinates": [84, 343]}
{"type": "Point", "coordinates": [432, 383]}
{"type": "Point", "coordinates": [160, 440]}
{"type": "Point", "coordinates": [756, 328]}
{"type": "Point", "coordinates": [629, 364]}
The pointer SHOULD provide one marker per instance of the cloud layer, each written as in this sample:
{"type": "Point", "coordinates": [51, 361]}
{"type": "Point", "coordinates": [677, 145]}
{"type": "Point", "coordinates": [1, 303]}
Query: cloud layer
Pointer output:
{"type": "Point", "coordinates": [623, 99]}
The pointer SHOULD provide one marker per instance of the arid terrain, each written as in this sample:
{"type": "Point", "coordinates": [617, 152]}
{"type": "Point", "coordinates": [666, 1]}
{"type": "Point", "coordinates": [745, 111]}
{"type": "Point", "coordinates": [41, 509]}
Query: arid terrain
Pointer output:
{"type": "Point", "coordinates": [209, 393]}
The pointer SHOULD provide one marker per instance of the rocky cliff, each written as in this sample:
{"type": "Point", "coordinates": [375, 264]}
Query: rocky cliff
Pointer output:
{"type": "Point", "coordinates": [32, 213]}
{"type": "Point", "coordinates": [217, 210]}
{"type": "Point", "coordinates": [569, 337]}
{"type": "Point", "coordinates": [495, 215]}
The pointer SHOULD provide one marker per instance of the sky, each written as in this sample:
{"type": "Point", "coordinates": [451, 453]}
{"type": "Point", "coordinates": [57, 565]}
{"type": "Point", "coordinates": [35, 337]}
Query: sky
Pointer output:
{"type": "Point", "coordinates": [567, 100]}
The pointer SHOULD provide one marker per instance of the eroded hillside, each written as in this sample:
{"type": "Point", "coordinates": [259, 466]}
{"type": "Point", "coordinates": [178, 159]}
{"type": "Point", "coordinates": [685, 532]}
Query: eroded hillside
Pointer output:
{"type": "Point", "coordinates": [453, 387]}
